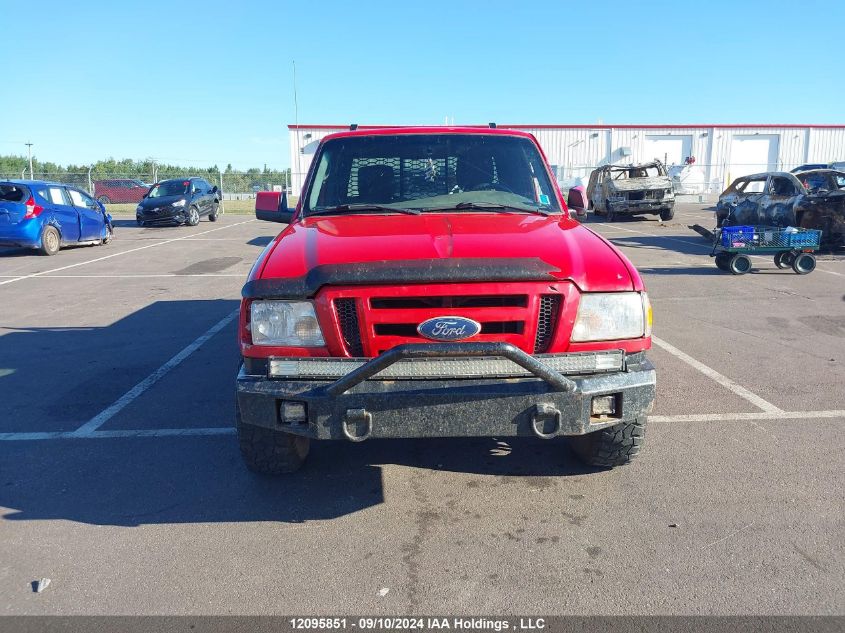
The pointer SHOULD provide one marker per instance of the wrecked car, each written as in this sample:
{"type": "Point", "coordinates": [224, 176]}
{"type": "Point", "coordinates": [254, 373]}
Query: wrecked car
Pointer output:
{"type": "Point", "coordinates": [812, 199]}
{"type": "Point", "coordinates": [616, 190]}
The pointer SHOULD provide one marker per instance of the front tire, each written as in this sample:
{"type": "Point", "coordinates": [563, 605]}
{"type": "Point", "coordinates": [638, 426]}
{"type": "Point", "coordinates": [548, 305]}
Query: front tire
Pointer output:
{"type": "Point", "coordinates": [614, 446]}
{"type": "Point", "coordinates": [739, 264]}
{"type": "Point", "coordinates": [193, 217]}
{"type": "Point", "coordinates": [667, 214]}
{"type": "Point", "coordinates": [270, 452]}
{"type": "Point", "coordinates": [104, 199]}
{"type": "Point", "coordinates": [109, 236]}
{"type": "Point", "coordinates": [51, 241]}
{"type": "Point", "coordinates": [215, 212]}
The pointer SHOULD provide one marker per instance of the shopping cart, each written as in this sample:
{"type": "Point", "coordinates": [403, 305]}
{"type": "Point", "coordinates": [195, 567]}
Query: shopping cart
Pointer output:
{"type": "Point", "coordinates": [792, 247]}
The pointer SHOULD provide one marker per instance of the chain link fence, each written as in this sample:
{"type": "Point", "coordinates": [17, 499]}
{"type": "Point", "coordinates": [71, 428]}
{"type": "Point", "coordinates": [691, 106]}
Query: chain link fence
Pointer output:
{"type": "Point", "coordinates": [117, 187]}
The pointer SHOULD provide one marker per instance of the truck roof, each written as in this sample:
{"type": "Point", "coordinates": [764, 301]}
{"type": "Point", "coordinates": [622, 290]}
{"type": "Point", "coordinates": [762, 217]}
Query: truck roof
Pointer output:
{"type": "Point", "coordinates": [440, 129]}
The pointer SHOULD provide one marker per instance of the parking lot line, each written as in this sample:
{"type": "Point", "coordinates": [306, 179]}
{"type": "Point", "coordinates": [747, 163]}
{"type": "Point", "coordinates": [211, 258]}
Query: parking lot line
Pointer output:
{"type": "Point", "coordinates": [741, 417]}
{"type": "Point", "coordinates": [104, 416]}
{"type": "Point", "coordinates": [726, 382]}
{"type": "Point", "coordinates": [131, 250]}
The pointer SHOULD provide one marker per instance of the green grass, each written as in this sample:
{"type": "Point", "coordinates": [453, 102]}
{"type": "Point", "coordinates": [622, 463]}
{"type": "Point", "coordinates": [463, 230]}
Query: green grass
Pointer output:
{"type": "Point", "coordinates": [234, 207]}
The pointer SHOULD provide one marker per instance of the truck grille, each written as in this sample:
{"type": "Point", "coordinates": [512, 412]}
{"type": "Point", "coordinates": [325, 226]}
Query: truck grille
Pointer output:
{"type": "Point", "coordinates": [347, 317]}
{"type": "Point", "coordinates": [373, 320]}
{"type": "Point", "coordinates": [546, 321]}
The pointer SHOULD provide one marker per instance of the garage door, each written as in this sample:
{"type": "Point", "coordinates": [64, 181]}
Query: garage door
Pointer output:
{"type": "Point", "coordinates": [753, 154]}
{"type": "Point", "coordinates": [672, 149]}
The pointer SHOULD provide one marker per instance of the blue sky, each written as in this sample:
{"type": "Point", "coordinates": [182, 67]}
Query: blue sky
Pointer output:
{"type": "Point", "coordinates": [199, 83]}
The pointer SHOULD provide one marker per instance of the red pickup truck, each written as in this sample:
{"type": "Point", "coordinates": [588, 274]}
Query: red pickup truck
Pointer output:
{"type": "Point", "coordinates": [431, 282]}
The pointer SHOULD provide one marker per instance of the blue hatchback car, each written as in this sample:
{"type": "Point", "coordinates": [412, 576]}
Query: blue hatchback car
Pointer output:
{"type": "Point", "coordinates": [47, 215]}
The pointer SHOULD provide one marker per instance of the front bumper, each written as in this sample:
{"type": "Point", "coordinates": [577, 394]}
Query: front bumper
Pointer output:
{"type": "Point", "coordinates": [166, 215]}
{"type": "Point", "coordinates": [359, 406]}
{"type": "Point", "coordinates": [642, 206]}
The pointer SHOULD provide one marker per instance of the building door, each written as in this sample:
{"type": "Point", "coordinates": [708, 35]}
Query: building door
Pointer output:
{"type": "Point", "coordinates": [670, 149]}
{"type": "Point", "coordinates": [752, 154]}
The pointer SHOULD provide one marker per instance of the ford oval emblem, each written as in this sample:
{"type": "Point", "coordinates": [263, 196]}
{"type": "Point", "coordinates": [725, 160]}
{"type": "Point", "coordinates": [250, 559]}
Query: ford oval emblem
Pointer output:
{"type": "Point", "coordinates": [448, 328]}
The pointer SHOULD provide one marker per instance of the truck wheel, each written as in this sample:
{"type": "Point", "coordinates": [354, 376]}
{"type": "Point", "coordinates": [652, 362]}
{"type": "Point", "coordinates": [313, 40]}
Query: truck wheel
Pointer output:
{"type": "Point", "coordinates": [51, 242]}
{"type": "Point", "coordinates": [805, 263]}
{"type": "Point", "coordinates": [212, 217]}
{"type": "Point", "coordinates": [739, 264]}
{"type": "Point", "coordinates": [667, 214]}
{"type": "Point", "coordinates": [614, 446]}
{"type": "Point", "coordinates": [193, 216]}
{"type": "Point", "coordinates": [270, 452]}
{"type": "Point", "coordinates": [104, 199]}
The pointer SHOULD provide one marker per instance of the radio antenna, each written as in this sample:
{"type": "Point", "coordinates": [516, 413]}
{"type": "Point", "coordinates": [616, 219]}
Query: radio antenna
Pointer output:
{"type": "Point", "coordinates": [296, 123]}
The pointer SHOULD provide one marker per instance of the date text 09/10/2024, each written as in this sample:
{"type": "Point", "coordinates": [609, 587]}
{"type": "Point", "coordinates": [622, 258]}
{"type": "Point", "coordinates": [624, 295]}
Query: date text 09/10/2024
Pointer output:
{"type": "Point", "coordinates": [413, 624]}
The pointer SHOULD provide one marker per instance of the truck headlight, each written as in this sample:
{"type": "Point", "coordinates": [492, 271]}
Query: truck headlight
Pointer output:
{"type": "Point", "coordinates": [609, 316]}
{"type": "Point", "coordinates": [178, 203]}
{"type": "Point", "coordinates": [287, 323]}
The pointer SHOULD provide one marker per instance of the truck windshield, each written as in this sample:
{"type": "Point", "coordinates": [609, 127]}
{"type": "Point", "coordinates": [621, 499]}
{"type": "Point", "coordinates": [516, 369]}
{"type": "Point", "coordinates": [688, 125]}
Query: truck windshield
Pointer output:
{"type": "Point", "coordinates": [430, 172]}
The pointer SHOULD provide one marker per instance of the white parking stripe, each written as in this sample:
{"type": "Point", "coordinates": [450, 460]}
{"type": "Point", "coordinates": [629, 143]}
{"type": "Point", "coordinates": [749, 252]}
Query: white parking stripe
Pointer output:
{"type": "Point", "coordinates": [215, 430]}
{"type": "Point", "coordinates": [740, 417]}
{"type": "Point", "coordinates": [131, 250]}
{"type": "Point", "coordinates": [726, 382]}
{"type": "Point", "coordinates": [97, 421]}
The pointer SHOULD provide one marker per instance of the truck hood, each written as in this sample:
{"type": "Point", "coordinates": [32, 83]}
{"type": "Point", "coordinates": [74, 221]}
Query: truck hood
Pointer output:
{"type": "Point", "coordinates": [641, 184]}
{"type": "Point", "coordinates": [569, 250]}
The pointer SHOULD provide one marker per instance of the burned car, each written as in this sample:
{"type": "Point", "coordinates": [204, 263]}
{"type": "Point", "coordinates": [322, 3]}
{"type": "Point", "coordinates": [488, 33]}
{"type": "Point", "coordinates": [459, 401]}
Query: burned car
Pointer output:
{"type": "Point", "coordinates": [812, 199]}
{"type": "Point", "coordinates": [616, 190]}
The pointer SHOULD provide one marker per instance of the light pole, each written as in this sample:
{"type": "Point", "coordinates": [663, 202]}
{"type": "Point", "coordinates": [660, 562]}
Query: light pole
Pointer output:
{"type": "Point", "coordinates": [29, 151]}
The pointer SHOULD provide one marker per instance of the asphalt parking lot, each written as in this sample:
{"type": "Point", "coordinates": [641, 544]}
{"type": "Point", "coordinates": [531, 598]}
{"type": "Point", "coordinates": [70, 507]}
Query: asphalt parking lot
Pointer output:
{"type": "Point", "coordinates": [121, 481]}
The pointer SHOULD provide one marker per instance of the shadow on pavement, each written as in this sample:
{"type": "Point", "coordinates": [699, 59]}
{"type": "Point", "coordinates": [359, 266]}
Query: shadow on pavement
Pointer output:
{"type": "Point", "coordinates": [57, 378]}
{"type": "Point", "coordinates": [262, 241]}
{"type": "Point", "coordinates": [683, 244]}
{"type": "Point", "coordinates": [138, 481]}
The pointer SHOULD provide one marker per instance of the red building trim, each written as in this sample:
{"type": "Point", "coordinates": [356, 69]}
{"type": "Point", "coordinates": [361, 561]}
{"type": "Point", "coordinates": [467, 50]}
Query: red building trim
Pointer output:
{"type": "Point", "coordinates": [545, 126]}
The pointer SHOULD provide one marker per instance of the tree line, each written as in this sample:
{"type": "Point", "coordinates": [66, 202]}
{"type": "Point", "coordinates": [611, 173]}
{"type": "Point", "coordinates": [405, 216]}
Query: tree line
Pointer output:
{"type": "Point", "coordinates": [11, 165]}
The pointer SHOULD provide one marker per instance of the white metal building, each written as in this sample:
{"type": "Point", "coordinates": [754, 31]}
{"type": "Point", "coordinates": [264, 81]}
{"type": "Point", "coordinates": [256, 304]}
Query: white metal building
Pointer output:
{"type": "Point", "coordinates": [721, 152]}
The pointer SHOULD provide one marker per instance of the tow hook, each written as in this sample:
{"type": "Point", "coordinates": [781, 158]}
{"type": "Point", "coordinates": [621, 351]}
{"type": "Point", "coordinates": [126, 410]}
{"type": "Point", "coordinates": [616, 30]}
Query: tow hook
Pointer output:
{"type": "Point", "coordinates": [543, 412]}
{"type": "Point", "coordinates": [355, 420]}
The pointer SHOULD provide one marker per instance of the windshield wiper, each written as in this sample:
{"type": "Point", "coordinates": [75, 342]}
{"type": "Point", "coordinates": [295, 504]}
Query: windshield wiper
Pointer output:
{"type": "Point", "coordinates": [363, 207]}
{"type": "Point", "coordinates": [492, 206]}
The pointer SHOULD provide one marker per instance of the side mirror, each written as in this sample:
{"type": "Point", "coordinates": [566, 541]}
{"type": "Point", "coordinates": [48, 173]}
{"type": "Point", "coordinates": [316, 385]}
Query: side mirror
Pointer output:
{"type": "Point", "coordinates": [577, 201]}
{"type": "Point", "coordinates": [214, 189]}
{"type": "Point", "coordinates": [272, 206]}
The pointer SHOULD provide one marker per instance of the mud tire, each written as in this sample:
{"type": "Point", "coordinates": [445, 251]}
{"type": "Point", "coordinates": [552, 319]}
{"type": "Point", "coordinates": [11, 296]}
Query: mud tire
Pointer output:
{"type": "Point", "coordinates": [270, 452]}
{"type": "Point", "coordinates": [613, 446]}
